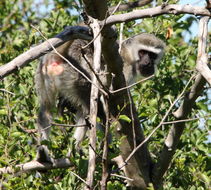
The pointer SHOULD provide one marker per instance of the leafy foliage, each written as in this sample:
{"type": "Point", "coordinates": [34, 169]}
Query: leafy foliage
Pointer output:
{"type": "Point", "coordinates": [190, 168]}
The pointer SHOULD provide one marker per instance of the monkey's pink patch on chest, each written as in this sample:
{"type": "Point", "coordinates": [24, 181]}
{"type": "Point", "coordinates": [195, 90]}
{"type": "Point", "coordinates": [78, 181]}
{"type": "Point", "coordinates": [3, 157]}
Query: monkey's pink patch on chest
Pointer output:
{"type": "Point", "coordinates": [55, 68]}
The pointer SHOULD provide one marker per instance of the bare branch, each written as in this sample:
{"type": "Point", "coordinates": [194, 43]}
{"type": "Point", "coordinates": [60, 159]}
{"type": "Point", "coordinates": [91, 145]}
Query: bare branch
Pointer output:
{"type": "Point", "coordinates": [79, 178]}
{"type": "Point", "coordinates": [94, 103]}
{"type": "Point", "coordinates": [176, 131]}
{"type": "Point", "coordinates": [123, 177]}
{"type": "Point", "coordinates": [105, 172]}
{"type": "Point", "coordinates": [66, 125]}
{"type": "Point", "coordinates": [70, 33]}
{"type": "Point", "coordinates": [202, 60]}
{"type": "Point", "coordinates": [4, 90]}
{"type": "Point", "coordinates": [160, 124]}
{"type": "Point", "coordinates": [132, 85]}
{"type": "Point", "coordinates": [35, 165]}
{"type": "Point", "coordinates": [131, 5]}
{"type": "Point", "coordinates": [186, 120]}
{"type": "Point", "coordinates": [160, 10]}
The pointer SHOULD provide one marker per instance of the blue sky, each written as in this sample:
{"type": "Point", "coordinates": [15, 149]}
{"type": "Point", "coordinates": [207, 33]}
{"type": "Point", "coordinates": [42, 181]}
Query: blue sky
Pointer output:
{"type": "Point", "coordinates": [194, 27]}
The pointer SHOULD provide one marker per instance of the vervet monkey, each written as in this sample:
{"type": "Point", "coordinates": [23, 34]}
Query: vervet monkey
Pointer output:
{"type": "Point", "coordinates": [141, 54]}
{"type": "Point", "coordinates": [56, 78]}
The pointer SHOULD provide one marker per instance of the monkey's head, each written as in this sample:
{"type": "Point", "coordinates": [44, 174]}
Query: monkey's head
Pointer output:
{"type": "Point", "coordinates": [141, 54]}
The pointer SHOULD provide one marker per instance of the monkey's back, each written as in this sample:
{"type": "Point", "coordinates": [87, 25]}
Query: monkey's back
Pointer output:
{"type": "Point", "coordinates": [69, 84]}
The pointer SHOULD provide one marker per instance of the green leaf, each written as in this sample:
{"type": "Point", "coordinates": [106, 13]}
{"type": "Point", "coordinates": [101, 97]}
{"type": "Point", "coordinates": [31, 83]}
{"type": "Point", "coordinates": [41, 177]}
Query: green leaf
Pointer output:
{"type": "Point", "coordinates": [125, 118]}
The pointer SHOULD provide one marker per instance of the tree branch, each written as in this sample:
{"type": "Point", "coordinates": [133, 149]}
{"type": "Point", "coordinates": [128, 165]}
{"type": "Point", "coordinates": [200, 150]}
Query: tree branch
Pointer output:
{"type": "Point", "coordinates": [156, 11]}
{"type": "Point", "coordinates": [80, 32]}
{"type": "Point", "coordinates": [94, 103]}
{"type": "Point", "coordinates": [70, 33]}
{"type": "Point", "coordinates": [105, 162]}
{"type": "Point", "coordinates": [130, 5]}
{"type": "Point", "coordinates": [35, 166]}
{"type": "Point", "coordinates": [202, 60]}
{"type": "Point", "coordinates": [176, 131]}
{"type": "Point", "coordinates": [138, 167]}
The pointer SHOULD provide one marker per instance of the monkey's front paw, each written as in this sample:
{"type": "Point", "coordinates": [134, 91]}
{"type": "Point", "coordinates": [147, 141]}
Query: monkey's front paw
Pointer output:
{"type": "Point", "coordinates": [43, 154]}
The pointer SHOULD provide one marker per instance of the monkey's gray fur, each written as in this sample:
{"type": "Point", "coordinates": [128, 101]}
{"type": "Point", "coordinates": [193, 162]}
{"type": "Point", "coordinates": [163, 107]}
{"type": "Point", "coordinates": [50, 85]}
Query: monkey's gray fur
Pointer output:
{"type": "Point", "coordinates": [56, 78]}
{"type": "Point", "coordinates": [130, 49]}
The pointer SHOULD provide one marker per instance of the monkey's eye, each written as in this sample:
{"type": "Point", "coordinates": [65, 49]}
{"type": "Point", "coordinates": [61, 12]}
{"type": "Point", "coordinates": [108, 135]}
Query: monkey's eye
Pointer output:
{"type": "Point", "coordinates": [153, 55]}
{"type": "Point", "coordinates": [142, 53]}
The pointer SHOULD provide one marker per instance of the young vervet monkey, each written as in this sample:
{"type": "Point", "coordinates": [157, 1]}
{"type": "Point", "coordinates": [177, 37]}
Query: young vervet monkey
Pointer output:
{"type": "Point", "coordinates": [56, 78]}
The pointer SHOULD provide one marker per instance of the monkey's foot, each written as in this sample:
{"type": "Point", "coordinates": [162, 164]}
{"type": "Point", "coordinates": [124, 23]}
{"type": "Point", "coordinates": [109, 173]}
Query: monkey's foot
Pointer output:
{"type": "Point", "coordinates": [43, 154]}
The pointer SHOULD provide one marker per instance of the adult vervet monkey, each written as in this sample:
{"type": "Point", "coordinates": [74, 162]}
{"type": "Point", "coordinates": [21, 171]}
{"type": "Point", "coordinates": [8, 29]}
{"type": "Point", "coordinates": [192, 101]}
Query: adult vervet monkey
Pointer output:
{"type": "Point", "coordinates": [56, 78]}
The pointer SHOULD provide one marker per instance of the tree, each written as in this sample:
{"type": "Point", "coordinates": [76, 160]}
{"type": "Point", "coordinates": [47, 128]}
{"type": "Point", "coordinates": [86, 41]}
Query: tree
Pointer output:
{"type": "Point", "coordinates": [166, 100]}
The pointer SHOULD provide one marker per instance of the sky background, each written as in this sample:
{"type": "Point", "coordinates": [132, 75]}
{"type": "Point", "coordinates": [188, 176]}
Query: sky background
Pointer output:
{"type": "Point", "coordinates": [194, 27]}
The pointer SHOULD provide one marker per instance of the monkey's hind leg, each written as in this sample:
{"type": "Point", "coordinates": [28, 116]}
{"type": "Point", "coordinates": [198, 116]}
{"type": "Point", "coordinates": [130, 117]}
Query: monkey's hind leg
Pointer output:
{"type": "Point", "coordinates": [80, 133]}
{"type": "Point", "coordinates": [44, 124]}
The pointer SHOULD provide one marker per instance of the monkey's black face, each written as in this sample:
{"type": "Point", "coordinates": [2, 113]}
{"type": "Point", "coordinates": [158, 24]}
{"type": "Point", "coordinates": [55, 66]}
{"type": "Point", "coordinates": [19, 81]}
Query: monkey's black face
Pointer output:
{"type": "Point", "coordinates": [146, 63]}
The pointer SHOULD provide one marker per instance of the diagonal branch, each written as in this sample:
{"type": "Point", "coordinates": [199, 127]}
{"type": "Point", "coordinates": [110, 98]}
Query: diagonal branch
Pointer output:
{"type": "Point", "coordinates": [70, 33]}
{"type": "Point", "coordinates": [156, 128]}
{"type": "Point", "coordinates": [130, 5]}
{"type": "Point", "coordinates": [176, 131]}
{"type": "Point", "coordinates": [35, 166]}
{"type": "Point", "coordinates": [156, 11]}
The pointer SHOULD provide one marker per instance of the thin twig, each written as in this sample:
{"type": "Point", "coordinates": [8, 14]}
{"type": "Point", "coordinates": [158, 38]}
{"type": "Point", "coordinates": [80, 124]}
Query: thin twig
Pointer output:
{"type": "Point", "coordinates": [132, 118]}
{"type": "Point", "coordinates": [79, 178]}
{"type": "Point", "coordinates": [186, 120]}
{"type": "Point", "coordinates": [123, 177]}
{"type": "Point", "coordinates": [29, 131]}
{"type": "Point", "coordinates": [160, 124]}
{"type": "Point", "coordinates": [66, 125]}
{"type": "Point", "coordinates": [96, 75]}
{"type": "Point", "coordinates": [134, 84]}
{"type": "Point", "coordinates": [95, 151]}
{"type": "Point", "coordinates": [105, 173]}
{"type": "Point", "coordinates": [3, 90]}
